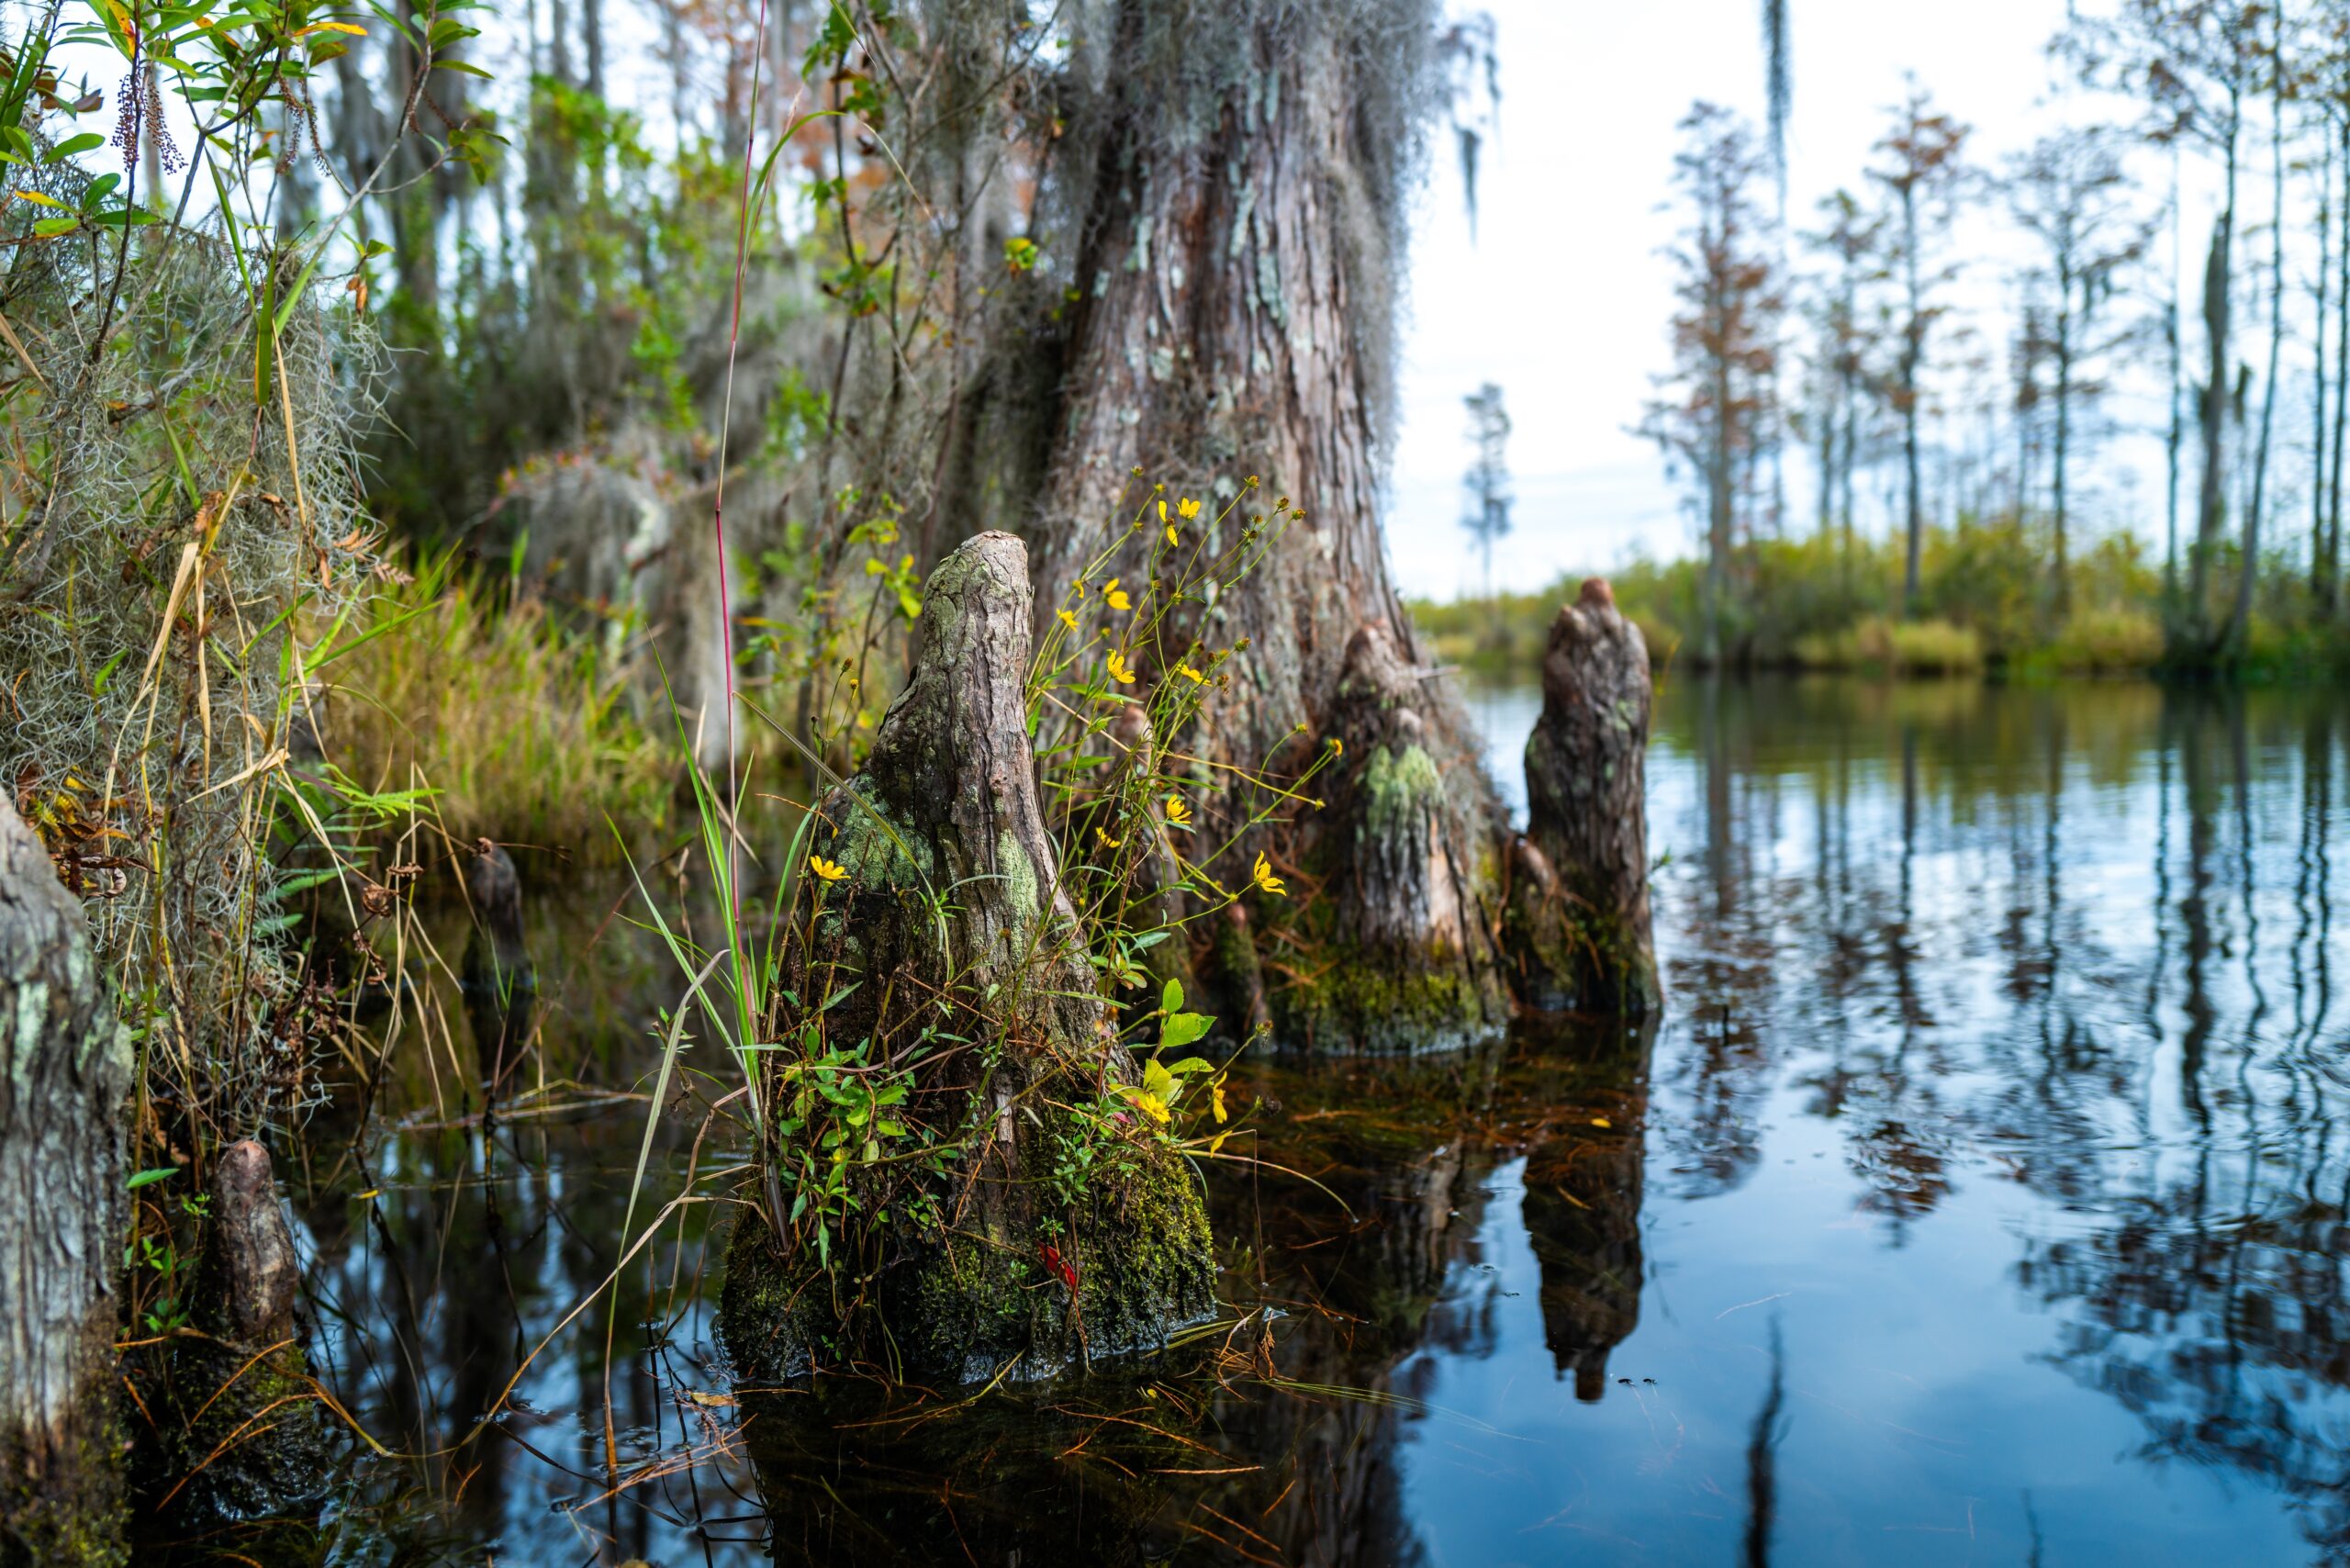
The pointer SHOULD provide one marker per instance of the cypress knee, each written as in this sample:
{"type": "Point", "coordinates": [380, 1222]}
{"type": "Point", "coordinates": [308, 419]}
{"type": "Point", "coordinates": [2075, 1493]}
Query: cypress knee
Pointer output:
{"type": "Point", "coordinates": [948, 953]}
{"type": "Point", "coordinates": [1413, 967]}
{"type": "Point", "coordinates": [63, 1210]}
{"type": "Point", "coordinates": [239, 1406]}
{"type": "Point", "coordinates": [1578, 912]}
{"type": "Point", "coordinates": [500, 986]}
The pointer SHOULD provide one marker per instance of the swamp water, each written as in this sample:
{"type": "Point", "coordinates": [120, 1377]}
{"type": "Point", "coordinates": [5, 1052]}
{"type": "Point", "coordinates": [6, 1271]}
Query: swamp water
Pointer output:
{"type": "Point", "coordinates": [1981, 1198]}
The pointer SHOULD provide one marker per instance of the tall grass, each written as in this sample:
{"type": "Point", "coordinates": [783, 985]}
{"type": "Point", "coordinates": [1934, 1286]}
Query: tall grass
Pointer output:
{"type": "Point", "coordinates": [517, 718]}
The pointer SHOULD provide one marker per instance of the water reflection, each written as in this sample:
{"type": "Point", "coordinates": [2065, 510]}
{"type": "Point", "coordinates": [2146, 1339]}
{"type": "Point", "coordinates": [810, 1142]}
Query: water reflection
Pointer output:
{"type": "Point", "coordinates": [1982, 1197]}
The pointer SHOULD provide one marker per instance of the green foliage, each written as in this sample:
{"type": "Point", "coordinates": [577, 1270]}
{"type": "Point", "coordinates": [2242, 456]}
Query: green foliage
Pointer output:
{"type": "Point", "coordinates": [1988, 601]}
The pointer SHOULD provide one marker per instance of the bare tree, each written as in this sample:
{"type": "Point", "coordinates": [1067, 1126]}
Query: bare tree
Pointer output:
{"type": "Point", "coordinates": [1848, 241]}
{"type": "Point", "coordinates": [1922, 173]}
{"type": "Point", "coordinates": [1485, 489]}
{"type": "Point", "coordinates": [2194, 62]}
{"type": "Point", "coordinates": [1719, 411]}
{"type": "Point", "coordinates": [2070, 191]}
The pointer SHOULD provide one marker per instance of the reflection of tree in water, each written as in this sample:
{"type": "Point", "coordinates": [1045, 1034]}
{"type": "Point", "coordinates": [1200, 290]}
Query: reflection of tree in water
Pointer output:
{"type": "Point", "coordinates": [1582, 1198]}
{"type": "Point", "coordinates": [2212, 1300]}
{"type": "Point", "coordinates": [1950, 985]}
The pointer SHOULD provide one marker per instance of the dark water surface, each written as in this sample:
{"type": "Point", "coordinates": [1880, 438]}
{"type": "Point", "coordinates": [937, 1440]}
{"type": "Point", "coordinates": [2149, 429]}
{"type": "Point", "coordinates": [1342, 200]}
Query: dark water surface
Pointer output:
{"type": "Point", "coordinates": [1981, 1200]}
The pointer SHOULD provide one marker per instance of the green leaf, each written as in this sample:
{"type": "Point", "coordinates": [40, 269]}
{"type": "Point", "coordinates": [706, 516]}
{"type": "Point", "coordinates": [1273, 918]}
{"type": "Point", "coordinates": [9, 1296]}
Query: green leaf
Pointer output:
{"type": "Point", "coordinates": [1183, 1028]}
{"type": "Point", "coordinates": [74, 145]}
{"type": "Point", "coordinates": [48, 226]}
{"type": "Point", "coordinates": [106, 673]}
{"type": "Point", "coordinates": [156, 1174]}
{"type": "Point", "coordinates": [1191, 1065]}
{"type": "Point", "coordinates": [1171, 1000]}
{"type": "Point", "coordinates": [39, 200]}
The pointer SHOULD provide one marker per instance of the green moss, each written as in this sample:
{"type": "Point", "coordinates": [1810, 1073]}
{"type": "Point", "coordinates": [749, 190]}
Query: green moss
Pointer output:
{"type": "Point", "coordinates": [1377, 1006]}
{"type": "Point", "coordinates": [1398, 787]}
{"type": "Point", "coordinates": [256, 1430]}
{"type": "Point", "coordinates": [75, 1517]}
{"type": "Point", "coordinates": [1019, 876]}
{"type": "Point", "coordinates": [871, 853]}
{"type": "Point", "coordinates": [961, 1302]}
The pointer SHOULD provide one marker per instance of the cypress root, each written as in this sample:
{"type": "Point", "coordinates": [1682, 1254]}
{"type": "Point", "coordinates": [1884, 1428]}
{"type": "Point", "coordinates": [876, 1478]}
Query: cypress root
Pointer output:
{"type": "Point", "coordinates": [1015, 1217]}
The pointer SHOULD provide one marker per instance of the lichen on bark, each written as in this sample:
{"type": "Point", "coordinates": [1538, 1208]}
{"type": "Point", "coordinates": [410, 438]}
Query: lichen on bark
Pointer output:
{"type": "Point", "coordinates": [62, 1171]}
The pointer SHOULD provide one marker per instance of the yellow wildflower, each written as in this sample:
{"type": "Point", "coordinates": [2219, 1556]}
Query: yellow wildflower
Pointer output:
{"type": "Point", "coordinates": [1187, 509]}
{"type": "Point", "coordinates": [1338, 746]}
{"type": "Point", "coordinates": [1114, 596]}
{"type": "Point", "coordinates": [1120, 671]}
{"type": "Point", "coordinates": [828, 870]}
{"type": "Point", "coordinates": [1162, 511]}
{"type": "Point", "coordinates": [1216, 1097]}
{"type": "Point", "coordinates": [1178, 812]}
{"type": "Point", "coordinates": [1188, 673]}
{"type": "Point", "coordinates": [1263, 876]}
{"type": "Point", "coordinates": [1107, 842]}
{"type": "Point", "coordinates": [1173, 537]}
{"type": "Point", "coordinates": [1154, 1098]}
{"type": "Point", "coordinates": [1068, 619]}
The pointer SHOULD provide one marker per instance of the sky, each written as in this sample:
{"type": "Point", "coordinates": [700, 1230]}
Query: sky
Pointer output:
{"type": "Point", "coordinates": [1562, 297]}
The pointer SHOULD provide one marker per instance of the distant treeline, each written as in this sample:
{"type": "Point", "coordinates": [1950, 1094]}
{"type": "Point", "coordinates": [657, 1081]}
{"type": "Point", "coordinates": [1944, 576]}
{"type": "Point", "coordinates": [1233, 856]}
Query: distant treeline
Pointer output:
{"type": "Point", "coordinates": [1833, 602]}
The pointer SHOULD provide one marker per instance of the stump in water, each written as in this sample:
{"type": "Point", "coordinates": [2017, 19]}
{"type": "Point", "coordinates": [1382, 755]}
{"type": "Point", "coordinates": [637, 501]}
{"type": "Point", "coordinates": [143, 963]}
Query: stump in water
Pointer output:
{"type": "Point", "coordinates": [1412, 966]}
{"type": "Point", "coordinates": [1020, 1212]}
{"type": "Point", "coordinates": [1578, 912]}
{"type": "Point", "coordinates": [240, 1428]}
{"type": "Point", "coordinates": [63, 1210]}
{"type": "Point", "coordinates": [500, 986]}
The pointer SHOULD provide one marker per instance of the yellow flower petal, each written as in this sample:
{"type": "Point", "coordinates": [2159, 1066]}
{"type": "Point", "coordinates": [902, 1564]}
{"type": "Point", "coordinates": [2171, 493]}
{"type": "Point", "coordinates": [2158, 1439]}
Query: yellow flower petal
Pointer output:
{"type": "Point", "coordinates": [1177, 811]}
{"type": "Point", "coordinates": [1262, 875]}
{"type": "Point", "coordinates": [828, 871]}
{"type": "Point", "coordinates": [1187, 509]}
{"type": "Point", "coordinates": [1068, 619]}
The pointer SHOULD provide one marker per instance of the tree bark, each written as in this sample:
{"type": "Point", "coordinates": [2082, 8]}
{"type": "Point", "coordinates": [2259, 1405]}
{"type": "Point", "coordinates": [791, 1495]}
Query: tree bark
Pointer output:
{"type": "Point", "coordinates": [62, 1171]}
{"type": "Point", "coordinates": [1237, 238]}
{"type": "Point", "coordinates": [971, 972]}
{"type": "Point", "coordinates": [1579, 909]}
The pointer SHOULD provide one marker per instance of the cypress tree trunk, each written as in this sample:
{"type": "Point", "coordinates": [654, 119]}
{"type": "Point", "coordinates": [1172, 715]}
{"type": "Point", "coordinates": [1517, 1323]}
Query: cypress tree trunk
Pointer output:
{"type": "Point", "coordinates": [1236, 222]}
{"type": "Point", "coordinates": [964, 963]}
{"type": "Point", "coordinates": [61, 1224]}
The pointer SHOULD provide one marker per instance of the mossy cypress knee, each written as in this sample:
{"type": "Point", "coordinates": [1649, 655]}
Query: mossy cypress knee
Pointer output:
{"type": "Point", "coordinates": [991, 1206]}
